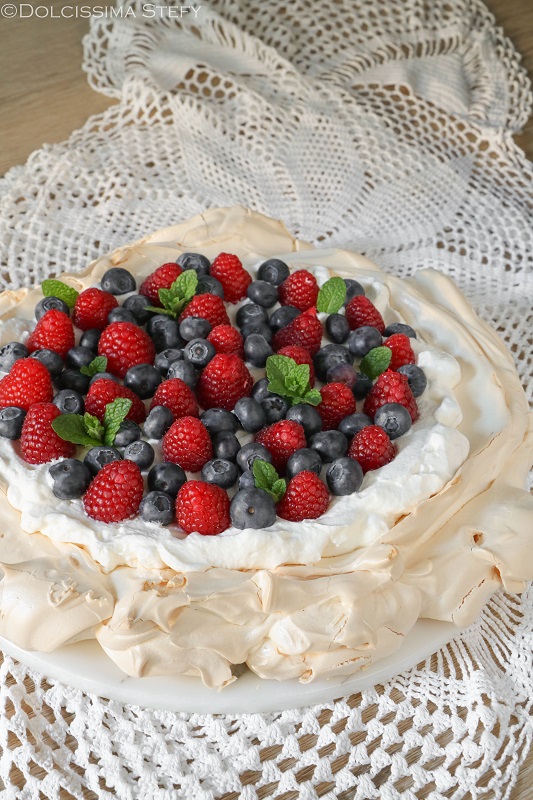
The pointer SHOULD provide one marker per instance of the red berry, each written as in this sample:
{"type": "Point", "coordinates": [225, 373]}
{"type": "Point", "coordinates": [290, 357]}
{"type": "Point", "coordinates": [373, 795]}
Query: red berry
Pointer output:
{"type": "Point", "coordinates": [361, 311]}
{"type": "Point", "coordinates": [225, 380]}
{"type": "Point", "coordinates": [402, 352]}
{"type": "Point", "coordinates": [188, 444]}
{"type": "Point", "coordinates": [228, 269]}
{"type": "Point", "coordinates": [28, 382]}
{"type": "Point", "coordinates": [300, 289]}
{"type": "Point", "coordinates": [391, 387]}
{"type": "Point", "coordinates": [372, 448]}
{"type": "Point", "coordinates": [162, 278]}
{"type": "Point", "coordinates": [202, 508]}
{"type": "Point", "coordinates": [115, 493]}
{"type": "Point", "coordinates": [207, 306]}
{"type": "Point", "coordinates": [227, 339]}
{"type": "Point", "coordinates": [301, 356]}
{"type": "Point", "coordinates": [39, 443]}
{"type": "Point", "coordinates": [104, 391]}
{"type": "Point", "coordinates": [92, 309]}
{"type": "Point", "coordinates": [282, 439]}
{"type": "Point", "coordinates": [337, 402]}
{"type": "Point", "coordinates": [54, 331]}
{"type": "Point", "coordinates": [304, 331]}
{"type": "Point", "coordinates": [125, 345]}
{"type": "Point", "coordinates": [306, 498]}
{"type": "Point", "coordinates": [177, 396]}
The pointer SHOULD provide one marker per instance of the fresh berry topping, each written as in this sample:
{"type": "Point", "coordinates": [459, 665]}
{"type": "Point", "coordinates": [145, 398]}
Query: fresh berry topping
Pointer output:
{"type": "Point", "coordinates": [71, 478]}
{"type": "Point", "coordinates": [69, 402]}
{"type": "Point", "coordinates": [116, 492]}
{"type": "Point", "coordinates": [329, 445]}
{"type": "Point", "coordinates": [337, 402]}
{"type": "Point", "coordinates": [273, 271]}
{"type": "Point", "coordinates": [49, 303]}
{"type": "Point", "coordinates": [282, 439]}
{"type": "Point", "coordinates": [141, 453]}
{"type": "Point", "coordinates": [250, 414]}
{"type": "Point", "coordinates": [157, 507]}
{"type": "Point", "coordinates": [158, 422]}
{"type": "Point", "coordinates": [164, 333]}
{"type": "Point", "coordinates": [229, 270]}
{"type": "Point", "coordinates": [104, 391]}
{"type": "Point", "coordinates": [138, 305]}
{"type": "Point", "coordinates": [185, 371]}
{"type": "Point", "coordinates": [282, 316]}
{"type": "Point", "coordinates": [221, 472]}
{"type": "Point", "coordinates": [209, 285]}
{"type": "Point", "coordinates": [118, 280]}
{"type": "Point", "coordinates": [257, 349]}
{"type": "Point", "coordinates": [92, 309]}
{"type": "Point", "coordinates": [187, 443]}
{"type": "Point", "coordinates": [344, 476]}
{"type": "Point", "coordinates": [416, 378]}
{"type": "Point", "coordinates": [121, 314]}
{"type": "Point", "coordinates": [218, 420]}
{"type": "Point", "coordinates": [166, 358]}
{"type": "Point", "coordinates": [306, 498]}
{"type": "Point", "coordinates": [301, 356]}
{"type": "Point", "coordinates": [226, 446]}
{"type": "Point", "coordinates": [307, 416]}
{"type": "Point", "coordinates": [127, 433]}
{"type": "Point", "coordinates": [354, 423]}
{"type": "Point", "coordinates": [330, 356]}
{"type": "Point", "coordinates": [52, 361]}
{"type": "Point", "coordinates": [372, 448]}
{"type": "Point", "coordinates": [28, 382]}
{"type": "Point", "coordinates": [337, 328]}
{"type": "Point", "coordinates": [391, 387]}
{"type": "Point", "coordinates": [39, 443]}
{"type": "Point", "coordinates": [252, 508]}
{"type": "Point", "coordinates": [252, 452]}
{"type": "Point", "coordinates": [353, 288]}
{"type": "Point", "coordinates": [125, 345]}
{"type": "Point", "coordinates": [143, 379]}
{"type": "Point", "coordinates": [274, 408]}
{"type": "Point", "coordinates": [196, 261]}
{"type": "Point", "coordinates": [72, 379]}
{"type": "Point", "coordinates": [305, 330]}
{"type": "Point", "coordinates": [11, 420]}
{"type": "Point", "coordinates": [400, 327]}
{"type": "Point", "coordinates": [361, 311]}
{"type": "Point", "coordinates": [199, 352]}
{"type": "Point", "coordinates": [78, 357]}
{"type": "Point", "coordinates": [224, 381]}
{"type": "Point", "coordinates": [162, 278]}
{"type": "Point", "coordinates": [202, 508]}
{"type": "Point", "coordinates": [176, 396]}
{"type": "Point", "coordinates": [207, 306]}
{"type": "Point", "coordinates": [362, 340]}
{"type": "Point", "coordinates": [262, 293]}
{"type": "Point", "coordinates": [394, 419]}
{"type": "Point", "coordinates": [227, 339]}
{"type": "Point", "coordinates": [54, 331]}
{"type": "Point", "coordinates": [194, 328]}
{"type": "Point", "coordinates": [300, 290]}
{"type": "Point", "coordinates": [251, 314]}
{"type": "Point", "coordinates": [101, 455]}
{"type": "Point", "coordinates": [304, 460]}
{"type": "Point", "coordinates": [402, 352]}
{"type": "Point", "coordinates": [11, 352]}
{"type": "Point", "coordinates": [166, 477]}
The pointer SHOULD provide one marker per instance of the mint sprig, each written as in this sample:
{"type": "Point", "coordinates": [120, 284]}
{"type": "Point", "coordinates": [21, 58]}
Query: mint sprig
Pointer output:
{"type": "Point", "coordinates": [98, 364]}
{"type": "Point", "coordinates": [115, 413]}
{"type": "Point", "coordinates": [87, 429]}
{"type": "Point", "coordinates": [291, 380]}
{"type": "Point", "coordinates": [180, 293]}
{"type": "Point", "coordinates": [53, 288]}
{"type": "Point", "coordinates": [375, 362]}
{"type": "Point", "coordinates": [266, 478]}
{"type": "Point", "coordinates": [331, 296]}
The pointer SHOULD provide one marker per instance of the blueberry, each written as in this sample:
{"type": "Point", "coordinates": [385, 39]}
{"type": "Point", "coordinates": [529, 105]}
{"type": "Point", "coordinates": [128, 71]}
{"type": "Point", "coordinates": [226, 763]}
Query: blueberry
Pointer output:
{"type": "Point", "coordinates": [196, 261]}
{"type": "Point", "coordinates": [354, 423]}
{"type": "Point", "coordinates": [165, 358]}
{"type": "Point", "coordinates": [262, 293]}
{"type": "Point", "coordinates": [362, 386]}
{"type": "Point", "coordinates": [118, 280]}
{"type": "Point", "coordinates": [73, 379]}
{"type": "Point", "coordinates": [304, 459]}
{"type": "Point", "coordinates": [90, 339]}
{"type": "Point", "coordinates": [221, 472]}
{"type": "Point", "coordinates": [394, 419]}
{"type": "Point", "coordinates": [141, 453]}
{"type": "Point", "coordinates": [11, 352]}
{"type": "Point", "coordinates": [353, 289]}
{"type": "Point", "coordinates": [342, 373]}
{"type": "Point", "coordinates": [78, 357]}
{"type": "Point", "coordinates": [121, 314]}
{"type": "Point", "coordinates": [362, 340]}
{"type": "Point", "coordinates": [250, 313]}
{"type": "Point", "coordinates": [209, 285]}
{"type": "Point", "coordinates": [257, 349]}
{"type": "Point", "coordinates": [250, 414]}
{"type": "Point", "coordinates": [416, 378]}
{"type": "Point", "coordinates": [103, 376]}
{"type": "Point", "coordinates": [307, 416]}
{"type": "Point", "coordinates": [71, 478]}
{"type": "Point", "coordinates": [337, 328]}
{"type": "Point", "coordinates": [329, 445]}
{"type": "Point", "coordinates": [226, 445]}
{"type": "Point", "coordinates": [158, 422]}
{"type": "Point", "coordinates": [159, 321]}
{"type": "Point", "coordinates": [157, 507]}
{"type": "Point", "coordinates": [99, 456]}
{"type": "Point", "coordinates": [260, 390]}
{"type": "Point", "coordinates": [400, 327]}
{"type": "Point", "coordinates": [138, 304]}
{"type": "Point", "coordinates": [247, 480]}
{"type": "Point", "coordinates": [166, 477]}
{"type": "Point", "coordinates": [69, 402]}
{"type": "Point", "coordinates": [282, 316]}
{"type": "Point", "coordinates": [51, 360]}
{"type": "Point", "coordinates": [260, 328]}
{"type": "Point", "coordinates": [273, 271]}
{"type": "Point", "coordinates": [143, 379]}
{"type": "Point", "coordinates": [127, 433]}
{"type": "Point", "coordinates": [185, 371]}
{"type": "Point", "coordinates": [49, 303]}
{"type": "Point", "coordinates": [252, 508]}
{"type": "Point", "coordinates": [194, 328]}
{"type": "Point", "coordinates": [199, 353]}
{"type": "Point", "coordinates": [164, 333]}
{"type": "Point", "coordinates": [217, 420]}
{"type": "Point", "coordinates": [11, 419]}
{"type": "Point", "coordinates": [329, 356]}
{"type": "Point", "coordinates": [344, 476]}
{"type": "Point", "coordinates": [275, 408]}
{"type": "Point", "coordinates": [250, 452]}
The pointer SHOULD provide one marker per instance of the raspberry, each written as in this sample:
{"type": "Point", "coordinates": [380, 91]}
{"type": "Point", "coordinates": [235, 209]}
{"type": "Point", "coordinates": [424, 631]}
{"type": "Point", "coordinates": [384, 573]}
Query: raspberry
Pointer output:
{"type": "Point", "coordinates": [300, 289]}
{"type": "Point", "coordinates": [54, 331]}
{"type": "Point", "coordinates": [104, 391]}
{"type": "Point", "coordinates": [27, 383]}
{"type": "Point", "coordinates": [187, 443]}
{"type": "Point", "coordinates": [39, 443]}
{"type": "Point", "coordinates": [227, 339]}
{"type": "Point", "coordinates": [207, 306]}
{"type": "Point", "coordinates": [162, 278]}
{"type": "Point", "coordinates": [224, 381]}
{"type": "Point", "coordinates": [115, 493]}
{"type": "Point", "coordinates": [177, 396]}
{"type": "Point", "coordinates": [301, 356]}
{"type": "Point", "coordinates": [391, 387]}
{"type": "Point", "coordinates": [92, 309]}
{"type": "Point", "coordinates": [229, 270]}
{"type": "Point", "coordinates": [361, 311]}
{"type": "Point", "coordinates": [282, 439]}
{"type": "Point", "coordinates": [372, 448]}
{"type": "Point", "coordinates": [202, 508]}
{"type": "Point", "coordinates": [304, 331]}
{"type": "Point", "coordinates": [306, 498]}
{"type": "Point", "coordinates": [402, 352]}
{"type": "Point", "coordinates": [337, 402]}
{"type": "Point", "coordinates": [125, 345]}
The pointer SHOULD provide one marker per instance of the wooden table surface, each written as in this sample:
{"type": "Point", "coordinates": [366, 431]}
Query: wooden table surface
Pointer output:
{"type": "Point", "coordinates": [44, 96]}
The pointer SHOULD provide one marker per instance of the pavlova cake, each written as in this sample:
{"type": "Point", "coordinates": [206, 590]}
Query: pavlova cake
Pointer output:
{"type": "Point", "coordinates": [220, 447]}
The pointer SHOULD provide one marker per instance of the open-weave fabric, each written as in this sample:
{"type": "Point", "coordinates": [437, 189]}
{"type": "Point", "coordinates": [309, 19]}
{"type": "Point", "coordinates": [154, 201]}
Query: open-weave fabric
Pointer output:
{"type": "Point", "coordinates": [378, 125]}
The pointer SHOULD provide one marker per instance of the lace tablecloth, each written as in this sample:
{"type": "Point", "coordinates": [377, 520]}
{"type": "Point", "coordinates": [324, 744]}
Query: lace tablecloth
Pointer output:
{"type": "Point", "coordinates": [382, 126]}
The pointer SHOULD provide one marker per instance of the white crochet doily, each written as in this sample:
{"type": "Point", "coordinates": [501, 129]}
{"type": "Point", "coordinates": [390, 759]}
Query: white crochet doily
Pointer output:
{"type": "Point", "coordinates": [384, 126]}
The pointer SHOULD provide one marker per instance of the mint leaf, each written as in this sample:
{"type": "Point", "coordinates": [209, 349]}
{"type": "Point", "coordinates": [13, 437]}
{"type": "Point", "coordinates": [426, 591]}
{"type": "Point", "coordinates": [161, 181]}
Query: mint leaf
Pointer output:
{"type": "Point", "coordinates": [187, 283]}
{"type": "Point", "coordinates": [179, 294]}
{"type": "Point", "coordinates": [98, 364]}
{"type": "Point", "coordinates": [71, 428]}
{"type": "Point", "coordinates": [331, 296]}
{"type": "Point", "coordinates": [267, 478]}
{"type": "Point", "coordinates": [376, 361]}
{"type": "Point", "coordinates": [288, 379]}
{"type": "Point", "coordinates": [53, 288]}
{"type": "Point", "coordinates": [166, 311]}
{"type": "Point", "coordinates": [313, 397]}
{"type": "Point", "coordinates": [278, 489]}
{"type": "Point", "coordinates": [115, 413]}
{"type": "Point", "coordinates": [93, 427]}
